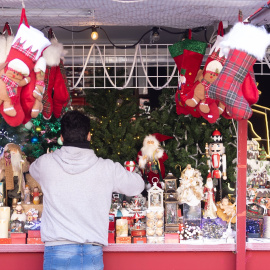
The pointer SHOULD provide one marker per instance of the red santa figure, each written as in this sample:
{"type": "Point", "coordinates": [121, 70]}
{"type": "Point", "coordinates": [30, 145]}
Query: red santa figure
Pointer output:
{"type": "Point", "coordinates": [210, 209]}
{"type": "Point", "coordinates": [217, 159]}
{"type": "Point", "coordinates": [151, 159]}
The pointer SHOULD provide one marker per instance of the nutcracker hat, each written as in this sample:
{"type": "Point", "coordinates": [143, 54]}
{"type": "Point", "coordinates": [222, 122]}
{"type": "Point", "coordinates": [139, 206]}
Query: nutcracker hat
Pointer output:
{"type": "Point", "coordinates": [216, 137]}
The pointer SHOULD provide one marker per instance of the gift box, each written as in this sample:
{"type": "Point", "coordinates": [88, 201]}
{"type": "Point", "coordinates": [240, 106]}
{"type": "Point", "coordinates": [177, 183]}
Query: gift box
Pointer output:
{"type": "Point", "coordinates": [111, 237]}
{"type": "Point", "coordinates": [172, 238]}
{"type": "Point", "coordinates": [18, 238]}
{"type": "Point", "coordinates": [111, 222]}
{"type": "Point", "coordinates": [35, 240]}
{"type": "Point", "coordinates": [34, 234]}
{"type": "Point", "coordinates": [139, 240]}
{"type": "Point", "coordinates": [4, 241]}
{"type": "Point", "coordinates": [123, 240]}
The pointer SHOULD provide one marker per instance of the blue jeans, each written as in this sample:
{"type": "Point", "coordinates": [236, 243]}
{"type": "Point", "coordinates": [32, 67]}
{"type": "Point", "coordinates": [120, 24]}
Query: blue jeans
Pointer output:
{"type": "Point", "coordinates": [73, 257]}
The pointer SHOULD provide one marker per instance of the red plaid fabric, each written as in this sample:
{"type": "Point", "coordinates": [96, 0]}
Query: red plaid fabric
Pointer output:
{"type": "Point", "coordinates": [206, 85]}
{"type": "Point", "coordinates": [228, 86]}
{"type": "Point", "coordinates": [28, 52]}
{"type": "Point", "coordinates": [47, 97]}
{"type": "Point", "coordinates": [11, 86]}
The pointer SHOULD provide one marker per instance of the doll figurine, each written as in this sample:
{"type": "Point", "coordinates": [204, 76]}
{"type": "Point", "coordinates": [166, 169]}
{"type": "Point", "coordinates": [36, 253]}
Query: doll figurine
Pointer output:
{"type": "Point", "coordinates": [36, 195]}
{"type": "Point", "coordinates": [27, 194]}
{"type": "Point", "coordinates": [210, 209]}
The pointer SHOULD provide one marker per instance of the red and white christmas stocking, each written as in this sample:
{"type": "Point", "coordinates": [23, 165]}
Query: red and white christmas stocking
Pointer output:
{"type": "Point", "coordinates": [243, 51]}
{"type": "Point", "coordinates": [192, 53]}
{"type": "Point", "coordinates": [61, 94]}
{"type": "Point", "coordinates": [26, 48]}
{"type": "Point", "coordinates": [56, 94]}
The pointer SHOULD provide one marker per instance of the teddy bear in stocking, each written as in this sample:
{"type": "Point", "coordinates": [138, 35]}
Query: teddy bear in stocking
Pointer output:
{"type": "Point", "coordinates": [38, 92]}
{"type": "Point", "coordinates": [27, 47]}
{"type": "Point", "coordinates": [14, 77]}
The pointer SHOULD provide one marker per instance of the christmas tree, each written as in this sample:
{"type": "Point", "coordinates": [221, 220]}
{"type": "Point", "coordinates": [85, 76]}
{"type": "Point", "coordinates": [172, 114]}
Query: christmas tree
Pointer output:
{"type": "Point", "coordinates": [42, 136]}
{"type": "Point", "coordinates": [116, 127]}
{"type": "Point", "coordinates": [10, 134]}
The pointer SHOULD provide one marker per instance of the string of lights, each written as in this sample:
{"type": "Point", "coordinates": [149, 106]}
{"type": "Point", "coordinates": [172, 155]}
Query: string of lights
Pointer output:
{"type": "Point", "coordinates": [154, 34]}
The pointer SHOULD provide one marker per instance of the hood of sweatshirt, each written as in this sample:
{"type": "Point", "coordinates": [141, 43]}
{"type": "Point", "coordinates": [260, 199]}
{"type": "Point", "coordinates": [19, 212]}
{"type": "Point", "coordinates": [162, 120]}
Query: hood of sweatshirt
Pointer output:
{"type": "Point", "coordinates": [75, 160]}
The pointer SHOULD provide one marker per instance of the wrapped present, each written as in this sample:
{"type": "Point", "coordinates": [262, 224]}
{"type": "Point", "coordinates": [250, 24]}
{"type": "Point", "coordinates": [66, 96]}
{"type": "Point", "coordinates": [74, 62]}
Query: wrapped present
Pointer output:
{"type": "Point", "coordinates": [35, 241]}
{"type": "Point", "coordinates": [33, 234]}
{"type": "Point", "coordinates": [18, 238]}
{"type": "Point", "coordinates": [4, 241]}
{"type": "Point", "coordinates": [139, 240]}
{"type": "Point", "coordinates": [111, 237]}
{"type": "Point", "coordinates": [172, 238]}
{"type": "Point", "coordinates": [123, 240]}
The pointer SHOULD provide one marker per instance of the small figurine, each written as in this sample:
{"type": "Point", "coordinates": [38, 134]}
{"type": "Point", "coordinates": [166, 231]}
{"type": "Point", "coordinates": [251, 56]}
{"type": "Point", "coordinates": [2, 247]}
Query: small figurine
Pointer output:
{"type": "Point", "coordinates": [151, 159]}
{"type": "Point", "coordinates": [18, 213]}
{"type": "Point", "coordinates": [229, 209]}
{"type": "Point", "coordinates": [36, 195]}
{"type": "Point", "coordinates": [210, 209]}
{"type": "Point", "coordinates": [215, 153]}
{"type": "Point", "coordinates": [27, 194]}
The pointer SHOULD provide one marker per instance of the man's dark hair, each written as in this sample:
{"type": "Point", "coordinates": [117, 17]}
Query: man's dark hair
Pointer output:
{"type": "Point", "coordinates": [75, 127]}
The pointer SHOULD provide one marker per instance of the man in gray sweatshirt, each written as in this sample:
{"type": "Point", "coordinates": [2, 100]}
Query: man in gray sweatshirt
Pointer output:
{"type": "Point", "coordinates": [77, 189]}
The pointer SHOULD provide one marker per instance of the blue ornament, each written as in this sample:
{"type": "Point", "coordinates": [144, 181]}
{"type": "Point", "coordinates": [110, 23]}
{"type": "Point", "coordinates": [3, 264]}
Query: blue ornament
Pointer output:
{"type": "Point", "coordinates": [34, 139]}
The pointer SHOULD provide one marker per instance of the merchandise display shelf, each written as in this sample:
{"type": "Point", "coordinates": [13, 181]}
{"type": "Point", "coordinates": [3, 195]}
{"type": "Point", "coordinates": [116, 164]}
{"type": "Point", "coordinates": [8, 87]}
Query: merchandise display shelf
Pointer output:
{"type": "Point", "coordinates": [132, 247]}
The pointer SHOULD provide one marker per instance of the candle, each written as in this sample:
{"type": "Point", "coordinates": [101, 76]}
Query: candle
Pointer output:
{"type": "Point", "coordinates": [4, 228]}
{"type": "Point", "coordinates": [5, 213]}
{"type": "Point", "coordinates": [122, 227]}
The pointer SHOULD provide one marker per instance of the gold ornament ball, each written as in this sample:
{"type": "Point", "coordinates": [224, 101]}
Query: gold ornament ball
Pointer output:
{"type": "Point", "coordinates": [38, 129]}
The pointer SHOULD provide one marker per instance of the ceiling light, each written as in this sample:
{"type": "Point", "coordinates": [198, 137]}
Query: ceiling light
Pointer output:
{"type": "Point", "coordinates": [94, 34]}
{"type": "Point", "coordinates": [155, 34]}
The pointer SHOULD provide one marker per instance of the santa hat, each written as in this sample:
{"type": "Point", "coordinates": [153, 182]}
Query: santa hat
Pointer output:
{"type": "Point", "coordinates": [19, 66]}
{"type": "Point", "coordinates": [161, 137]}
{"type": "Point", "coordinates": [216, 136]}
{"type": "Point", "coordinates": [209, 175]}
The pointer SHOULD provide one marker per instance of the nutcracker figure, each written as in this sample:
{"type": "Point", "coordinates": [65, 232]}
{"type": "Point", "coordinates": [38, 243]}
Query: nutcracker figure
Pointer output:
{"type": "Point", "coordinates": [215, 153]}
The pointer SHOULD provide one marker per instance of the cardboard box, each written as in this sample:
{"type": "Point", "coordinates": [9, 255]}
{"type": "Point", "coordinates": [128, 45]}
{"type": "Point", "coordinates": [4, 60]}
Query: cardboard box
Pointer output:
{"type": "Point", "coordinates": [111, 237]}
{"type": "Point", "coordinates": [172, 238]}
{"type": "Point", "coordinates": [35, 241]}
{"type": "Point", "coordinates": [33, 234]}
{"type": "Point", "coordinates": [123, 240]}
{"type": "Point", "coordinates": [139, 240]}
{"type": "Point", "coordinates": [5, 241]}
{"type": "Point", "coordinates": [18, 238]}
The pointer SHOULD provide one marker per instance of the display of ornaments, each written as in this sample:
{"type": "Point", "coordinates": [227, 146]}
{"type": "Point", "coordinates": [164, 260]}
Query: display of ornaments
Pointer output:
{"type": "Point", "coordinates": [155, 222]}
{"type": "Point", "coordinates": [190, 231]}
{"type": "Point", "coordinates": [213, 228]}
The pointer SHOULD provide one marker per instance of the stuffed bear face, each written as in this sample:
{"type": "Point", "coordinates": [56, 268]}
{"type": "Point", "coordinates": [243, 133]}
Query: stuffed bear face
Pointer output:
{"type": "Point", "coordinates": [210, 76]}
{"type": "Point", "coordinates": [14, 75]}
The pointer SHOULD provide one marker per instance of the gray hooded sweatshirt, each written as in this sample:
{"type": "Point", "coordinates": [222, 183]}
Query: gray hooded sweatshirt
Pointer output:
{"type": "Point", "coordinates": [77, 189]}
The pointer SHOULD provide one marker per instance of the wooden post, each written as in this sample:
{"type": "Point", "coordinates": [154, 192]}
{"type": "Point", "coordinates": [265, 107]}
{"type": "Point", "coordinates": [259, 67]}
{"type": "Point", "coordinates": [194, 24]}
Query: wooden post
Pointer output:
{"type": "Point", "coordinates": [241, 194]}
